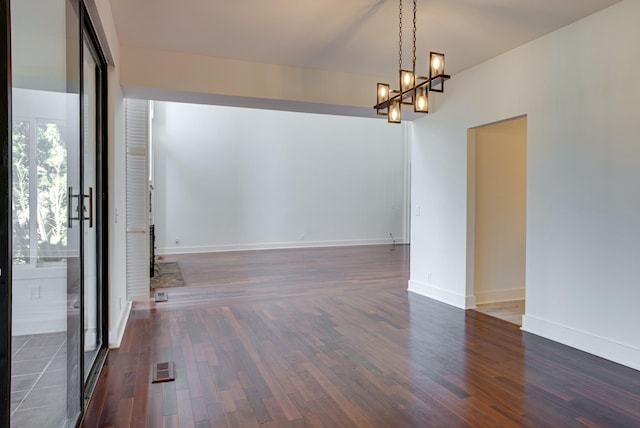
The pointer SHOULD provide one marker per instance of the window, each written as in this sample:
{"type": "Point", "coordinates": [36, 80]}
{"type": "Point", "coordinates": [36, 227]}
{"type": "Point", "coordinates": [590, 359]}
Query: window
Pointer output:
{"type": "Point", "coordinates": [39, 192]}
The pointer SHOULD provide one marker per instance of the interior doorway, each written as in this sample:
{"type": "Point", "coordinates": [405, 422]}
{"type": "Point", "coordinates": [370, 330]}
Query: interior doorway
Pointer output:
{"type": "Point", "coordinates": [497, 171]}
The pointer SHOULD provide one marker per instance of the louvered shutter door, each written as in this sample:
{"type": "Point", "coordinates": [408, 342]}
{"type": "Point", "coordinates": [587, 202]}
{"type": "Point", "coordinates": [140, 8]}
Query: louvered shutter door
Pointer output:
{"type": "Point", "coordinates": [137, 135]}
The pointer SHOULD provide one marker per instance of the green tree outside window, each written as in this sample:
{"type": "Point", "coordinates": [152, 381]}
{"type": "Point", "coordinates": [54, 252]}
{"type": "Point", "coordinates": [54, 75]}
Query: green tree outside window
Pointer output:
{"type": "Point", "coordinates": [20, 202]}
{"type": "Point", "coordinates": [48, 171]}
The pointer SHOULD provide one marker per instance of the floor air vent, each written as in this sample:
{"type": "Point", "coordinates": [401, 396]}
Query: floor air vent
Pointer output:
{"type": "Point", "coordinates": [161, 296]}
{"type": "Point", "coordinates": [163, 372]}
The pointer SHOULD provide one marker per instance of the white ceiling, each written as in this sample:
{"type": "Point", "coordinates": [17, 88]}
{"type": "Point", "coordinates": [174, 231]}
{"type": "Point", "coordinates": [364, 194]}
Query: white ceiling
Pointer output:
{"type": "Point", "coordinates": [359, 36]}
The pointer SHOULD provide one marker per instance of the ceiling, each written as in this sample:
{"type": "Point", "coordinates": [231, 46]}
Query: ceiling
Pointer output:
{"type": "Point", "coordinates": [358, 36]}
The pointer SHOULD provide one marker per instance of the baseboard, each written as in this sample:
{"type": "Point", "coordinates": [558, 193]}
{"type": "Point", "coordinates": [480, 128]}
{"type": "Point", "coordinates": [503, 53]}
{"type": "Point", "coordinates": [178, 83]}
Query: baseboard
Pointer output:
{"type": "Point", "coordinates": [38, 323]}
{"type": "Point", "coordinates": [445, 296]}
{"type": "Point", "coordinates": [500, 295]}
{"type": "Point", "coordinates": [90, 335]}
{"type": "Point", "coordinates": [618, 352]}
{"type": "Point", "coordinates": [115, 337]}
{"type": "Point", "coordinates": [273, 246]}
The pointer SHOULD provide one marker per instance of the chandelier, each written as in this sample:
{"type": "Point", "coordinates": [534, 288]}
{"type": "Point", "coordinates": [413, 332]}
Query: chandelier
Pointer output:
{"type": "Point", "coordinates": [414, 89]}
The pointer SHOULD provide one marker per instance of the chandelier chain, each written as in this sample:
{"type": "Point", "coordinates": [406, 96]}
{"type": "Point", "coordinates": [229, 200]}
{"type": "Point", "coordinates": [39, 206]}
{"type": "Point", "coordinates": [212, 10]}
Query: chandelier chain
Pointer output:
{"type": "Point", "coordinates": [400, 39]}
{"type": "Point", "coordinates": [415, 8]}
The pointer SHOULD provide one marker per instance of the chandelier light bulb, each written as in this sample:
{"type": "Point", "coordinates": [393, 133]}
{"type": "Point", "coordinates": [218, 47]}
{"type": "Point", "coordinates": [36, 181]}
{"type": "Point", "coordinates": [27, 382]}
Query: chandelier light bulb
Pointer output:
{"type": "Point", "coordinates": [394, 112]}
{"type": "Point", "coordinates": [422, 102]}
{"type": "Point", "coordinates": [383, 92]}
{"type": "Point", "coordinates": [436, 64]}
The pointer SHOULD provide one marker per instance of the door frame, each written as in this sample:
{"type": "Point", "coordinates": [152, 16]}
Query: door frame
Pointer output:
{"type": "Point", "coordinates": [101, 199]}
{"type": "Point", "coordinates": [470, 285]}
{"type": "Point", "coordinates": [5, 213]}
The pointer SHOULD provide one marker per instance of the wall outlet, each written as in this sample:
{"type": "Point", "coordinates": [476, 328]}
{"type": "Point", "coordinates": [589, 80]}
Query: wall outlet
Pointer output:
{"type": "Point", "coordinates": [34, 292]}
{"type": "Point", "coordinates": [418, 210]}
{"type": "Point", "coordinates": [302, 237]}
{"type": "Point", "coordinates": [177, 241]}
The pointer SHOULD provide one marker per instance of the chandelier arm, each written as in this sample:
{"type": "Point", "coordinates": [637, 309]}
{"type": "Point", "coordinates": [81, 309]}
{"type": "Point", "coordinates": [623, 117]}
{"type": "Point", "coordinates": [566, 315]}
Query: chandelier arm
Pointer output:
{"type": "Point", "coordinates": [407, 92]}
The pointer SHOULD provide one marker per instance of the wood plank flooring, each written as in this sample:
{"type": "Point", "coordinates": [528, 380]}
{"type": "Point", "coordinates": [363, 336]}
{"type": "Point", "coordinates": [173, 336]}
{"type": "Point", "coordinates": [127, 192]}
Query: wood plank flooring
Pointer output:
{"type": "Point", "coordinates": [331, 338]}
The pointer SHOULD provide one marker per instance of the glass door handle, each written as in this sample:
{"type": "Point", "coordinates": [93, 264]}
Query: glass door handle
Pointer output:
{"type": "Point", "coordinates": [90, 196]}
{"type": "Point", "coordinates": [70, 216]}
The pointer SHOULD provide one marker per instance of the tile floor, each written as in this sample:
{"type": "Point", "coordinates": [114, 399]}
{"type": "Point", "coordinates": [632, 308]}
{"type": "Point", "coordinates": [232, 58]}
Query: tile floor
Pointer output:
{"type": "Point", "coordinates": [38, 380]}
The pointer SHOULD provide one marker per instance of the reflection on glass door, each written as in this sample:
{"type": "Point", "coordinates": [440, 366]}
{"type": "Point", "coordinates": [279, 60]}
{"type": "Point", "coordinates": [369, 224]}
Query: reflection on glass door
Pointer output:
{"type": "Point", "coordinates": [45, 381]}
{"type": "Point", "coordinates": [56, 306]}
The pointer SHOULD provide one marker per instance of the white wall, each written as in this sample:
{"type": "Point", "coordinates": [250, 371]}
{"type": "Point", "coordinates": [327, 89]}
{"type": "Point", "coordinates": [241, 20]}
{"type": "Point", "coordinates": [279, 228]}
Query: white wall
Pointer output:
{"type": "Point", "coordinates": [500, 210]}
{"type": "Point", "coordinates": [118, 304]}
{"type": "Point", "coordinates": [119, 307]}
{"type": "Point", "coordinates": [231, 178]}
{"type": "Point", "coordinates": [227, 81]}
{"type": "Point", "coordinates": [579, 88]}
{"type": "Point", "coordinates": [39, 45]}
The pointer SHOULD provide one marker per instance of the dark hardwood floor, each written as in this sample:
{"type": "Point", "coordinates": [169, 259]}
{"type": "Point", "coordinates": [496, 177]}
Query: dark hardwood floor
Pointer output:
{"type": "Point", "coordinates": [331, 338]}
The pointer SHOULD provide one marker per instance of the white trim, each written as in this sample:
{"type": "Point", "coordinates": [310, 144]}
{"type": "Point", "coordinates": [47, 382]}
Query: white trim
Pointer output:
{"type": "Point", "coordinates": [442, 295]}
{"type": "Point", "coordinates": [39, 272]}
{"type": "Point", "coordinates": [500, 295]}
{"type": "Point", "coordinates": [471, 212]}
{"type": "Point", "coordinates": [40, 322]}
{"type": "Point", "coordinates": [115, 337]}
{"type": "Point", "coordinates": [407, 135]}
{"type": "Point", "coordinates": [90, 336]}
{"type": "Point", "coordinates": [602, 347]}
{"type": "Point", "coordinates": [274, 246]}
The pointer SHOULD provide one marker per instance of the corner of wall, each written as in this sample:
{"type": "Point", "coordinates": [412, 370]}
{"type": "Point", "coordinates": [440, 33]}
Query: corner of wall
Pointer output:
{"type": "Point", "coordinates": [103, 22]}
{"type": "Point", "coordinates": [442, 295]}
{"type": "Point", "coordinates": [471, 211]}
{"type": "Point", "coordinates": [115, 335]}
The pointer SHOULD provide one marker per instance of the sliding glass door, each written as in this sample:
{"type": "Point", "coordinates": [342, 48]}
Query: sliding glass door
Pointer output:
{"type": "Point", "coordinates": [45, 383]}
{"type": "Point", "coordinates": [91, 113]}
{"type": "Point", "coordinates": [57, 321]}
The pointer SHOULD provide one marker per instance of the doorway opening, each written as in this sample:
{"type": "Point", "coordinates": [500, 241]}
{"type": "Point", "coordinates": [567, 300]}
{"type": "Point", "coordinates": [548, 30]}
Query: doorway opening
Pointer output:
{"type": "Point", "coordinates": [497, 175]}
